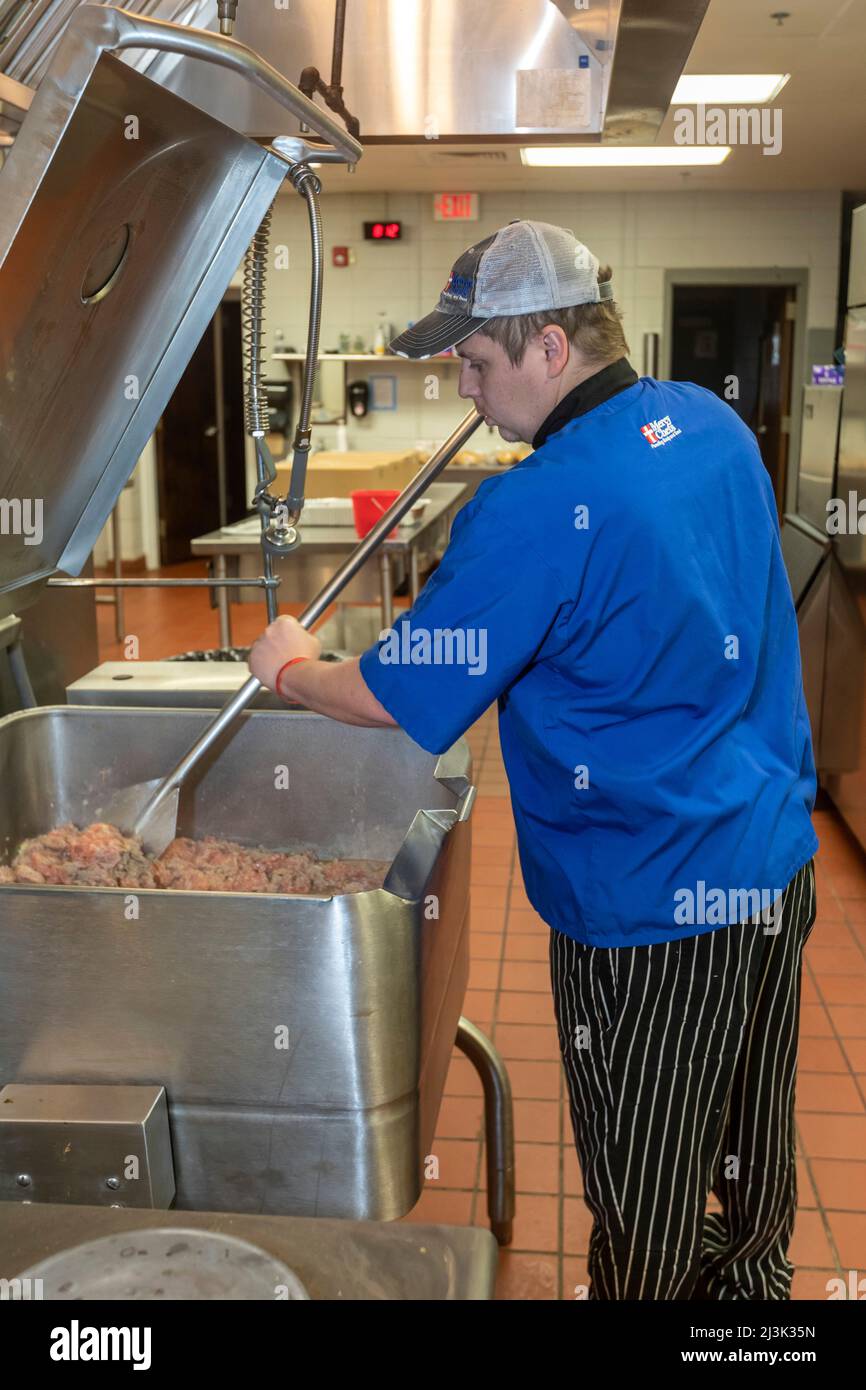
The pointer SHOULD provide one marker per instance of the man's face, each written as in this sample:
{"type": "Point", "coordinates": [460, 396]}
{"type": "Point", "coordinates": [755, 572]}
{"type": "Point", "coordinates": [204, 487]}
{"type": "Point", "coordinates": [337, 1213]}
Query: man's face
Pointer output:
{"type": "Point", "coordinates": [512, 398]}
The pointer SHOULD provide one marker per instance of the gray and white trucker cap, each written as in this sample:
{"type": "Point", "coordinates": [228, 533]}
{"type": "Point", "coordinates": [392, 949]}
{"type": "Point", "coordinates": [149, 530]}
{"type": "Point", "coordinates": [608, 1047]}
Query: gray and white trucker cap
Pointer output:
{"type": "Point", "coordinates": [523, 268]}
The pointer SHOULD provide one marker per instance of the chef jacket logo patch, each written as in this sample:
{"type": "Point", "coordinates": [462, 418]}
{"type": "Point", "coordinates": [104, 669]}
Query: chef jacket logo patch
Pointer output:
{"type": "Point", "coordinates": [659, 432]}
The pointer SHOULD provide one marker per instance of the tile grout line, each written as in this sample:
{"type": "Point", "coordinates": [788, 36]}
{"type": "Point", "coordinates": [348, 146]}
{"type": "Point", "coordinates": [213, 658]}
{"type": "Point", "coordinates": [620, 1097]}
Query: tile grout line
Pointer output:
{"type": "Point", "coordinates": [821, 1209]}
{"type": "Point", "coordinates": [839, 1038]}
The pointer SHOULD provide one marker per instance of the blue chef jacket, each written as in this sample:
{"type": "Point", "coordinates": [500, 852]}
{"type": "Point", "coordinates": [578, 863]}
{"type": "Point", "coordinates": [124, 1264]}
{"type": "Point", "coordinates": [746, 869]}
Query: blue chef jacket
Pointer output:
{"type": "Point", "coordinates": [621, 593]}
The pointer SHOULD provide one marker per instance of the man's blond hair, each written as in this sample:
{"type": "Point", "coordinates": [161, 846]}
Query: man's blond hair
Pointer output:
{"type": "Point", "coordinates": [595, 330]}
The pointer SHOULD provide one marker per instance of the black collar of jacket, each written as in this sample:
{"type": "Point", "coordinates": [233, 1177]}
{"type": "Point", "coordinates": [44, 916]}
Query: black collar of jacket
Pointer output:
{"type": "Point", "coordinates": [586, 396]}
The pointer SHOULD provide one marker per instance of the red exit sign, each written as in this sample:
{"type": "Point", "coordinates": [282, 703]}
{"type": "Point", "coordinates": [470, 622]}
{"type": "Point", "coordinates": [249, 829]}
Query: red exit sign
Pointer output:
{"type": "Point", "coordinates": [455, 207]}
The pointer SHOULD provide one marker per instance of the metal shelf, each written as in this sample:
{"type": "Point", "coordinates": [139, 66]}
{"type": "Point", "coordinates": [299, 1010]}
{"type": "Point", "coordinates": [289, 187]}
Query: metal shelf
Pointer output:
{"type": "Point", "coordinates": [390, 359]}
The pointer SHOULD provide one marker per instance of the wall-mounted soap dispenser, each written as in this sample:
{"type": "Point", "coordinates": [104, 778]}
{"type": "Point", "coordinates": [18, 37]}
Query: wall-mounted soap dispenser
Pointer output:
{"type": "Point", "coordinates": [359, 398]}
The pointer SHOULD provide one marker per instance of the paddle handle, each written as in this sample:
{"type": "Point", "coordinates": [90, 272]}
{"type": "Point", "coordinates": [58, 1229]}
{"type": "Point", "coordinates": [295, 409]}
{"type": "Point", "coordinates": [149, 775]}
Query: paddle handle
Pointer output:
{"type": "Point", "coordinates": [326, 596]}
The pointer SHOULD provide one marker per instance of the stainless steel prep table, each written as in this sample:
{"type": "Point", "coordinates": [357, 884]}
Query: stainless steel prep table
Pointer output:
{"type": "Point", "coordinates": [351, 1260]}
{"type": "Point", "coordinates": [324, 547]}
{"type": "Point", "coordinates": [472, 475]}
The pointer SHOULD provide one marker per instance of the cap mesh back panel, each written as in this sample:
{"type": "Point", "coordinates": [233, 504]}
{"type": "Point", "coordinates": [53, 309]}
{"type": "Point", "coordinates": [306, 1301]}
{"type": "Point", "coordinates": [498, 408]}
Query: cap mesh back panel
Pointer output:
{"type": "Point", "coordinates": [535, 266]}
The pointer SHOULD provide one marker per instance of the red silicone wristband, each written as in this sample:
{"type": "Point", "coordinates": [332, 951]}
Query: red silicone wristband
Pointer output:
{"type": "Point", "coordinates": [285, 668]}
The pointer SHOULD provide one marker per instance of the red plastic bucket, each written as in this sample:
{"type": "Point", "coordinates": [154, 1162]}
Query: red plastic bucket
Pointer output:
{"type": "Point", "coordinates": [369, 506]}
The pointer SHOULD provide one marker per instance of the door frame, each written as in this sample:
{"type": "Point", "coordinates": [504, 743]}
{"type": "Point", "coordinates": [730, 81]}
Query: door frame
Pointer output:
{"type": "Point", "coordinates": [798, 277]}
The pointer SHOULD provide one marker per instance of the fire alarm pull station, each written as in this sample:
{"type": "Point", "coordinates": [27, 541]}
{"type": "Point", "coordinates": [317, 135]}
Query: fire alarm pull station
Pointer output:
{"type": "Point", "coordinates": [340, 255]}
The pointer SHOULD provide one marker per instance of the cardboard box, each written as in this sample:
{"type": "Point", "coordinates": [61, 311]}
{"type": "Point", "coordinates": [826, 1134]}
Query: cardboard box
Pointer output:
{"type": "Point", "coordinates": [332, 474]}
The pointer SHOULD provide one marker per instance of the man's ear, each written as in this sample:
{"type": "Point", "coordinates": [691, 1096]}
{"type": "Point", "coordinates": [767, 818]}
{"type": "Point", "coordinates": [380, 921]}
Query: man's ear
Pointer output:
{"type": "Point", "coordinates": [556, 350]}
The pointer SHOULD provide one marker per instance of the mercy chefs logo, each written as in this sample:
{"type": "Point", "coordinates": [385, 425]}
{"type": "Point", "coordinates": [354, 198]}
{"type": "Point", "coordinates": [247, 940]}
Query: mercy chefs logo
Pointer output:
{"type": "Point", "coordinates": [659, 432]}
{"type": "Point", "coordinates": [458, 287]}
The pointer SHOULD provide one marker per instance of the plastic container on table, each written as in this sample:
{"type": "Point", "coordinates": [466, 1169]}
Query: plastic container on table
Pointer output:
{"type": "Point", "coordinates": [369, 504]}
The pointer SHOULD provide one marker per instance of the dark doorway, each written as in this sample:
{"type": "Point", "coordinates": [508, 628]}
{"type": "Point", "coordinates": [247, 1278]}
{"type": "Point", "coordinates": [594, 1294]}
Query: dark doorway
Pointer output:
{"type": "Point", "coordinates": [737, 340]}
{"type": "Point", "coordinates": [187, 443]}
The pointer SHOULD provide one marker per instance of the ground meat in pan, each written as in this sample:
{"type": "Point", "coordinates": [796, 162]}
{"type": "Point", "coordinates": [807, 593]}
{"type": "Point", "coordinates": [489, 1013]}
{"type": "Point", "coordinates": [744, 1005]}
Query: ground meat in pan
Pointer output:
{"type": "Point", "coordinates": [100, 856]}
{"type": "Point", "coordinates": [209, 864]}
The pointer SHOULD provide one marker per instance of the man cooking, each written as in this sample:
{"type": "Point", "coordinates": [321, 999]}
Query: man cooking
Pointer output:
{"type": "Point", "coordinates": [626, 585]}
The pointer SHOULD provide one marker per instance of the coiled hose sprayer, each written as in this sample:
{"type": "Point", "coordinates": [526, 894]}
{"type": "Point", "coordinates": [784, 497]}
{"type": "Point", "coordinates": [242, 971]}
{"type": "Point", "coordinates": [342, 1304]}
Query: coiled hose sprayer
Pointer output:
{"type": "Point", "coordinates": [306, 183]}
{"type": "Point", "coordinates": [280, 533]}
{"type": "Point", "coordinates": [252, 320]}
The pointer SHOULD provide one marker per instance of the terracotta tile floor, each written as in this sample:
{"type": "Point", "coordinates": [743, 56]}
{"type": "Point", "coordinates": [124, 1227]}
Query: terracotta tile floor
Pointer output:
{"type": "Point", "coordinates": [168, 621]}
{"type": "Point", "coordinates": [509, 998]}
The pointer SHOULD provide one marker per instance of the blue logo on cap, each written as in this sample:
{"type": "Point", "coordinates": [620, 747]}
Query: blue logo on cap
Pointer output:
{"type": "Point", "coordinates": [458, 287]}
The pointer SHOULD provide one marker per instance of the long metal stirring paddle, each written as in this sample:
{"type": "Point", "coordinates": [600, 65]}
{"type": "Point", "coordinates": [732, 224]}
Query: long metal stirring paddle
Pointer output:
{"type": "Point", "coordinates": [149, 809]}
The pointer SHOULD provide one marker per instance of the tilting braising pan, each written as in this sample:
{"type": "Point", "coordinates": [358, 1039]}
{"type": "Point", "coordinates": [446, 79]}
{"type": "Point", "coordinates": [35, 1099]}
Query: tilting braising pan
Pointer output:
{"type": "Point", "coordinates": [303, 1042]}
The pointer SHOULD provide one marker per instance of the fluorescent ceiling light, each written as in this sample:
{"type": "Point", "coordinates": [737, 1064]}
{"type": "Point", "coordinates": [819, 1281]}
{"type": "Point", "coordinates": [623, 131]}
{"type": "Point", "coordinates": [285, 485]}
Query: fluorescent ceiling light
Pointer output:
{"type": "Point", "coordinates": [621, 156]}
{"type": "Point", "coordinates": [729, 89]}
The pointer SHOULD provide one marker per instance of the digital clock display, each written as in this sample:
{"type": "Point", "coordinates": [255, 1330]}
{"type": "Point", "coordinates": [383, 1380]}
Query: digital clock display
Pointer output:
{"type": "Point", "coordinates": [383, 231]}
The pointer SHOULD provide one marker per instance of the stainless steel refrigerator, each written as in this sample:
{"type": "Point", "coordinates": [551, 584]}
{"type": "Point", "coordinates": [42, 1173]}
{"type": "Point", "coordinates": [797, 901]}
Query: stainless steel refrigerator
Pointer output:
{"type": "Point", "coordinates": [841, 745]}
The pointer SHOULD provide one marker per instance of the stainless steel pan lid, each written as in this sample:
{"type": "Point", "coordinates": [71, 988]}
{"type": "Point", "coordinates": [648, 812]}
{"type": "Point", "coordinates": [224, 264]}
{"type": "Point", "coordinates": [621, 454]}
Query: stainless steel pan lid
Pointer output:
{"type": "Point", "coordinates": [124, 213]}
{"type": "Point", "coordinates": [114, 254]}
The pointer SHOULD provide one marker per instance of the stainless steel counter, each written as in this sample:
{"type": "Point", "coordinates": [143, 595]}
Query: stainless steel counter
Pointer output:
{"type": "Point", "coordinates": [324, 547]}
{"type": "Point", "coordinates": [473, 475]}
{"type": "Point", "coordinates": [339, 1260]}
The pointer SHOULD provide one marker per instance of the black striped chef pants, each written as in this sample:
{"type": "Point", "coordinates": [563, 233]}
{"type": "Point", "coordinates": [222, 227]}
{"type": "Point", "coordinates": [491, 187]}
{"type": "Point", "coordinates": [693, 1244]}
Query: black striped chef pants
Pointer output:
{"type": "Point", "coordinates": [681, 1059]}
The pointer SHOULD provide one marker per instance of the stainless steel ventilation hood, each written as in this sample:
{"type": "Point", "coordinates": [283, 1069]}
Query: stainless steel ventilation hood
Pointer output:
{"type": "Point", "coordinates": [418, 70]}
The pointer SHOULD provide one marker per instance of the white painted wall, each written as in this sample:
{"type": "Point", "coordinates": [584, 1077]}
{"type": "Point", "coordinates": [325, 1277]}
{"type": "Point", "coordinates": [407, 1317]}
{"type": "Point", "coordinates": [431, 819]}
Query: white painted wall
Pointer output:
{"type": "Point", "coordinates": [641, 235]}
